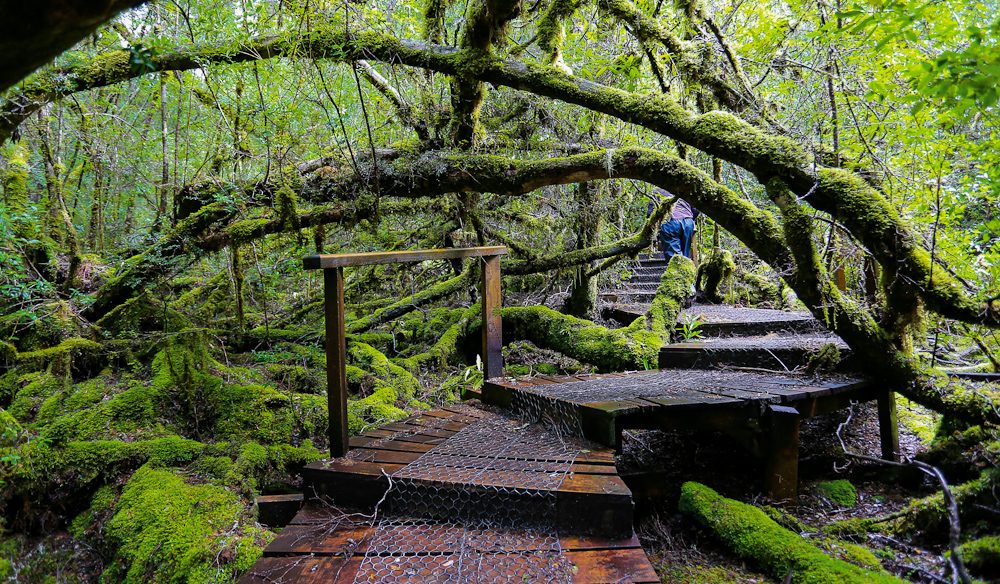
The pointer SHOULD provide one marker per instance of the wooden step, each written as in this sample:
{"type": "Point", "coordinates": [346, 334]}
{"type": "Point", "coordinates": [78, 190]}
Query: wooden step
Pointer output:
{"type": "Point", "coordinates": [470, 459]}
{"type": "Point", "coordinates": [720, 320]}
{"type": "Point", "coordinates": [323, 545]}
{"type": "Point", "coordinates": [628, 296]}
{"type": "Point", "coordinates": [776, 352]}
{"type": "Point", "coordinates": [606, 404]}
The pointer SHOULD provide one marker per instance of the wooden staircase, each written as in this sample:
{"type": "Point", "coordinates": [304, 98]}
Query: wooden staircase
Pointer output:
{"type": "Point", "coordinates": [530, 492]}
{"type": "Point", "coordinates": [461, 494]}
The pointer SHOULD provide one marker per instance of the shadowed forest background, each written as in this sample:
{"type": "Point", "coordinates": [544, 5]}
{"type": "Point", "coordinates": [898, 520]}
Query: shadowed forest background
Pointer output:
{"type": "Point", "coordinates": [161, 347]}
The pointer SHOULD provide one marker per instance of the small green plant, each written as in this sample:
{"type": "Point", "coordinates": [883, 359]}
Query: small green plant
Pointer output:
{"type": "Point", "coordinates": [690, 328]}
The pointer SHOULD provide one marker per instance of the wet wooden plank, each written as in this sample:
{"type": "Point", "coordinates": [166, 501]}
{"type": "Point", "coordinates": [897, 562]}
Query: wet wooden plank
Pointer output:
{"type": "Point", "coordinates": [326, 538]}
{"type": "Point", "coordinates": [297, 569]}
{"type": "Point", "coordinates": [327, 261]}
{"type": "Point", "coordinates": [400, 445]}
{"type": "Point", "coordinates": [618, 565]}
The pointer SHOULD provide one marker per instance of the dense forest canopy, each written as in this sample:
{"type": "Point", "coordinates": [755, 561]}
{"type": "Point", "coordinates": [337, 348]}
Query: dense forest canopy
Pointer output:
{"type": "Point", "coordinates": [162, 179]}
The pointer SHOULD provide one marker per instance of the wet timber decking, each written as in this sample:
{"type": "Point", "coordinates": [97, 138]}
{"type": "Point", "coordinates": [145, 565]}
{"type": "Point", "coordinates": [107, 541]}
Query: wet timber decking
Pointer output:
{"type": "Point", "coordinates": [762, 411]}
{"type": "Point", "coordinates": [461, 494]}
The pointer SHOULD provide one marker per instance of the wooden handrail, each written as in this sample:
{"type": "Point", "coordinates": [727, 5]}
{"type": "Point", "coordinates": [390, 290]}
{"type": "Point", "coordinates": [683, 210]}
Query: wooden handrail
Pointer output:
{"type": "Point", "coordinates": [326, 261]}
{"type": "Point", "coordinates": [336, 336]}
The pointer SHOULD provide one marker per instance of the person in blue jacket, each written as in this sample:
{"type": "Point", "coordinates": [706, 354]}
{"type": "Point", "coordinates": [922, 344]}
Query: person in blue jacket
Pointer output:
{"type": "Point", "coordinates": [675, 234]}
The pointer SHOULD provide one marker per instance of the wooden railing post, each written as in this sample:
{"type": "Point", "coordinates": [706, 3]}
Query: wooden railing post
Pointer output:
{"type": "Point", "coordinates": [336, 336]}
{"type": "Point", "coordinates": [336, 359]}
{"type": "Point", "coordinates": [492, 323]}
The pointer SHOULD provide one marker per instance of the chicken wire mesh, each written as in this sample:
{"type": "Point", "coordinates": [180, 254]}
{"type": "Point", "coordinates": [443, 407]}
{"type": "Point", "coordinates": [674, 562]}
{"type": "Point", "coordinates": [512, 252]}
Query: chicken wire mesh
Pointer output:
{"type": "Point", "coordinates": [478, 507]}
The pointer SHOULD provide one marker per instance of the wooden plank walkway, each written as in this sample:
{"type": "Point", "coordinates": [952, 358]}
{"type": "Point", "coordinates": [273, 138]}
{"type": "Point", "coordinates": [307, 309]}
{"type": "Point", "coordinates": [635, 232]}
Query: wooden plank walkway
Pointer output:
{"type": "Point", "coordinates": [781, 352]}
{"type": "Point", "coordinates": [761, 410]}
{"type": "Point", "coordinates": [461, 494]}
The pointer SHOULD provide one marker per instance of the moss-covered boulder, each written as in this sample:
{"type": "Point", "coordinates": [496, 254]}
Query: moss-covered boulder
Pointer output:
{"type": "Point", "coordinates": [753, 536]}
{"type": "Point", "coordinates": [839, 492]}
{"type": "Point", "coordinates": [982, 556]}
{"type": "Point", "coordinates": [165, 529]}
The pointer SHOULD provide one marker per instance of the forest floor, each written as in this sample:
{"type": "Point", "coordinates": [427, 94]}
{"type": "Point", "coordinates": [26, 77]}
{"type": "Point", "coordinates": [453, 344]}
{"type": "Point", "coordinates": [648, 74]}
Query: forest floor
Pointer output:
{"type": "Point", "coordinates": [658, 462]}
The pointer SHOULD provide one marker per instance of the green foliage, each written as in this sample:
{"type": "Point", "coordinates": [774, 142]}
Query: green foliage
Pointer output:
{"type": "Point", "coordinates": [689, 329]}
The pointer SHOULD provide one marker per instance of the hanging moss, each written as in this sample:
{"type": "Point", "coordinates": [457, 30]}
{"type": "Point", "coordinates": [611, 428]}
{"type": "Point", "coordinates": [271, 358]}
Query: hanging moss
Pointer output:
{"type": "Point", "coordinates": [142, 314]}
{"type": "Point", "coordinates": [674, 290]}
{"type": "Point", "coordinates": [826, 359]}
{"type": "Point", "coordinates": [754, 537]}
{"type": "Point", "coordinates": [168, 530]}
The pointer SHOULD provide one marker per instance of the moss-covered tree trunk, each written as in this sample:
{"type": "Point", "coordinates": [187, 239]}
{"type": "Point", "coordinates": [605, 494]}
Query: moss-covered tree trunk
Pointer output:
{"type": "Point", "coordinates": [582, 301]}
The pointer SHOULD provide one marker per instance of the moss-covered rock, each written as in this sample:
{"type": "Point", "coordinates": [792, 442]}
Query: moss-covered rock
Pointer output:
{"type": "Point", "coordinates": [982, 556]}
{"type": "Point", "coordinates": [839, 492]}
{"type": "Point", "coordinates": [754, 537]}
{"type": "Point", "coordinates": [165, 529]}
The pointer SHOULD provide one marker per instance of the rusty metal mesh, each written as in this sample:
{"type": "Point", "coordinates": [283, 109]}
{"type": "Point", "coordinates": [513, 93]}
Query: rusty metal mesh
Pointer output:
{"type": "Point", "coordinates": [707, 384]}
{"type": "Point", "coordinates": [479, 507]}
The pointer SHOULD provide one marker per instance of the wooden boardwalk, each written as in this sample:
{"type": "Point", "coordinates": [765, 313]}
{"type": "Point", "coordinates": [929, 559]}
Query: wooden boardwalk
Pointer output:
{"type": "Point", "coordinates": [461, 494]}
{"type": "Point", "coordinates": [762, 411]}
{"type": "Point", "coordinates": [530, 492]}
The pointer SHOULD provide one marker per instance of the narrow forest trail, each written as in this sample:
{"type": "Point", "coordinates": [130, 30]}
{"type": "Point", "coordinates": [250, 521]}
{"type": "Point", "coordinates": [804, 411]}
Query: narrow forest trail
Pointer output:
{"type": "Point", "coordinates": [525, 488]}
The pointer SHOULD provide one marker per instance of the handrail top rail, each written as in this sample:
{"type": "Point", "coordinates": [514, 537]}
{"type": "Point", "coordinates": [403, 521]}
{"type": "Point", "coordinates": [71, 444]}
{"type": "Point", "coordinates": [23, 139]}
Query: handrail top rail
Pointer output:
{"type": "Point", "coordinates": [338, 260]}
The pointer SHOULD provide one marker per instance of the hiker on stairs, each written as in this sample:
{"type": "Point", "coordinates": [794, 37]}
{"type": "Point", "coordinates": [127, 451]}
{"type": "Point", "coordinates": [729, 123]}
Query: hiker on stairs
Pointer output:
{"type": "Point", "coordinates": [675, 234]}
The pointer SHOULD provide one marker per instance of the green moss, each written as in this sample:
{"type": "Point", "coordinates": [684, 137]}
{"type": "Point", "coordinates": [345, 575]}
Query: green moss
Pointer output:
{"type": "Point", "coordinates": [674, 289]}
{"type": "Point", "coordinates": [167, 530]}
{"type": "Point", "coordinates": [628, 348]}
{"type": "Point", "coordinates": [982, 556]}
{"type": "Point", "coordinates": [714, 273]}
{"type": "Point", "coordinates": [686, 573]}
{"type": "Point", "coordinates": [377, 409]}
{"type": "Point", "coordinates": [754, 537]}
{"type": "Point", "coordinates": [854, 527]}
{"type": "Point", "coordinates": [825, 359]}
{"type": "Point", "coordinates": [35, 389]}
{"type": "Point", "coordinates": [929, 516]}
{"type": "Point", "coordinates": [101, 506]}
{"type": "Point", "coordinates": [71, 347]}
{"type": "Point", "coordinates": [839, 492]}
{"type": "Point", "coordinates": [386, 372]}
{"type": "Point", "coordinates": [917, 419]}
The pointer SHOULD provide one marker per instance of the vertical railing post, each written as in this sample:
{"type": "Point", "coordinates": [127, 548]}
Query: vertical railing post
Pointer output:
{"type": "Point", "coordinates": [492, 323]}
{"type": "Point", "coordinates": [336, 359]}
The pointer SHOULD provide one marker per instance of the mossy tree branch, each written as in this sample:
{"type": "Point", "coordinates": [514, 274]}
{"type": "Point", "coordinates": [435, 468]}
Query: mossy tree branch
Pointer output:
{"type": "Point", "coordinates": [626, 246]}
{"type": "Point", "coordinates": [845, 195]}
{"type": "Point", "coordinates": [34, 33]}
{"type": "Point", "coordinates": [410, 303]}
